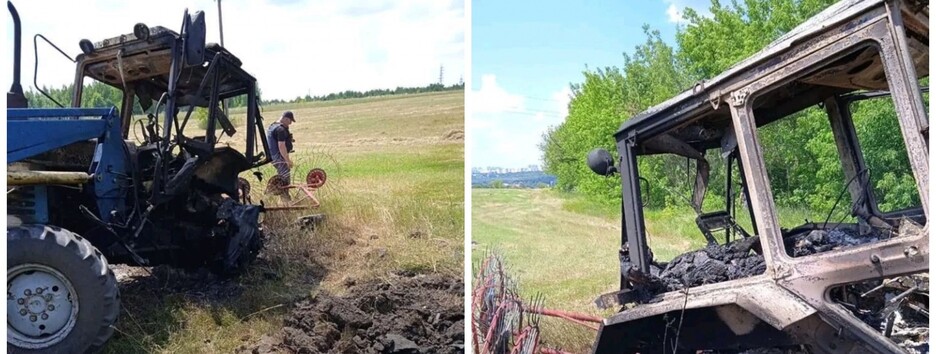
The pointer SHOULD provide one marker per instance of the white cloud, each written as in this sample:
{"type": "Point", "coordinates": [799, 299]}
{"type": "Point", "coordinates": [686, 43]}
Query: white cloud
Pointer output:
{"type": "Point", "coordinates": [291, 47]}
{"type": "Point", "coordinates": [481, 124]}
{"type": "Point", "coordinates": [505, 131]}
{"type": "Point", "coordinates": [674, 15]}
{"type": "Point", "coordinates": [676, 8]}
{"type": "Point", "coordinates": [562, 98]}
{"type": "Point", "coordinates": [491, 98]}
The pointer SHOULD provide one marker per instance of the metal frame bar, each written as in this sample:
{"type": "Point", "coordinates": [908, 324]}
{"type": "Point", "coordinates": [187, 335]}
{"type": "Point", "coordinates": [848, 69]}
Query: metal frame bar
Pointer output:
{"type": "Point", "coordinates": [632, 227]}
{"type": "Point", "coordinates": [294, 203]}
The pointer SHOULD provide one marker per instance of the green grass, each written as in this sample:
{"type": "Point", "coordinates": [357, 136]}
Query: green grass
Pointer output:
{"type": "Point", "coordinates": [394, 201]}
{"type": "Point", "coordinates": [565, 247]}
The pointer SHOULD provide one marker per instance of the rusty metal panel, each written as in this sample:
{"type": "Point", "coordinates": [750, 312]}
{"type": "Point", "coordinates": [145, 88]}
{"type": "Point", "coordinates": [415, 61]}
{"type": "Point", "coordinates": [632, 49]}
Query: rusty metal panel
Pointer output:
{"type": "Point", "coordinates": [832, 16]}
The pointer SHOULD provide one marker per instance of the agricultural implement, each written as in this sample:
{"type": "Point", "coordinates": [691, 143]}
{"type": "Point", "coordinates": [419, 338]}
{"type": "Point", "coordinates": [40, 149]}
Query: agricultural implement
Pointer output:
{"type": "Point", "coordinates": [292, 196]}
{"type": "Point", "coordinates": [81, 195]}
{"type": "Point", "coordinates": [857, 286]}
{"type": "Point", "coordinates": [502, 322]}
{"type": "Point", "coordinates": [304, 197]}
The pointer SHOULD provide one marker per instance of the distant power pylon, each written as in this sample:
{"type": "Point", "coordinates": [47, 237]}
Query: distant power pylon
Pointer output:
{"type": "Point", "coordinates": [441, 75]}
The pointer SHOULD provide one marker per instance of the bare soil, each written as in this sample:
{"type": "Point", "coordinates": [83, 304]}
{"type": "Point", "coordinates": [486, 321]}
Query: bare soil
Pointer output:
{"type": "Point", "coordinates": [405, 314]}
{"type": "Point", "coordinates": [199, 285]}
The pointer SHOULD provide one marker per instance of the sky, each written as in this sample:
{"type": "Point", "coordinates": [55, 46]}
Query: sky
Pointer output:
{"type": "Point", "coordinates": [292, 47]}
{"type": "Point", "coordinates": [525, 55]}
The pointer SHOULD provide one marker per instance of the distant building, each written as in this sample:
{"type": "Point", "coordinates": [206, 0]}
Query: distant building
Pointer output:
{"type": "Point", "coordinates": [505, 170]}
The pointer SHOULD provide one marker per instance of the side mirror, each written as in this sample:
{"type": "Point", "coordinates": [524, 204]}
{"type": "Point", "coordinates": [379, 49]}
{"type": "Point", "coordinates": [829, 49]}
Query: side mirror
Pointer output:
{"type": "Point", "coordinates": [195, 39]}
{"type": "Point", "coordinates": [600, 162]}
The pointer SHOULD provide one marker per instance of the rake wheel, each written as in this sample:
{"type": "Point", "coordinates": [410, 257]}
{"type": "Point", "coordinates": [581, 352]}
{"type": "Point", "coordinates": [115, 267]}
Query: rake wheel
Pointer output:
{"type": "Point", "coordinates": [277, 184]}
{"type": "Point", "coordinates": [316, 177]}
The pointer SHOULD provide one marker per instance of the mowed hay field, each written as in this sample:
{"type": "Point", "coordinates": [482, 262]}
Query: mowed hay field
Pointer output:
{"type": "Point", "coordinates": [561, 247]}
{"type": "Point", "coordinates": [394, 202]}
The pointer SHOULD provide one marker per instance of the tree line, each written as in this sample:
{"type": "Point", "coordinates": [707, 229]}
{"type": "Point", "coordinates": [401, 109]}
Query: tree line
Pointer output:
{"type": "Point", "coordinates": [800, 152]}
{"type": "Point", "coordinates": [98, 94]}
{"type": "Point", "coordinates": [372, 93]}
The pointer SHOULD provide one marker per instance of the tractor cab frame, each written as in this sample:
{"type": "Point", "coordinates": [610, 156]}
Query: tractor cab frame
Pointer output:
{"type": "Point", "coordinates": [855, 50]}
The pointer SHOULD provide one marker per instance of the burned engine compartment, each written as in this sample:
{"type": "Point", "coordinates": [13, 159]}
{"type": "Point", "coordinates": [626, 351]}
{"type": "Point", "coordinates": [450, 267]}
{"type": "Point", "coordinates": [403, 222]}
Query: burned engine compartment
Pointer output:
{"type": "Point", "coordinates": [197, 225]}
{"type": "Point", "coordinates": [741, 258]}
{"type": "Point", "coordinates": [896, 307]}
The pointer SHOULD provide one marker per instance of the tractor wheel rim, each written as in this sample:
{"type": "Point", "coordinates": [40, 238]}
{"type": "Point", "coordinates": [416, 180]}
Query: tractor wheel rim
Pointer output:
{"type": "Point", "coordinates": [42, 306]}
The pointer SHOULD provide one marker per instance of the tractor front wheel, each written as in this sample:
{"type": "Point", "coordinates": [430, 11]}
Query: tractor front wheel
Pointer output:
{"type": "Point", "coordinates": [61, 295]}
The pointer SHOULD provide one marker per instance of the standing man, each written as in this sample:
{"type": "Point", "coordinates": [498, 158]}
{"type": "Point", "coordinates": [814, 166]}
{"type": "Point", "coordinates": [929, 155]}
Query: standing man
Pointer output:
{"type": "Point", "coordinates": [280, 141]}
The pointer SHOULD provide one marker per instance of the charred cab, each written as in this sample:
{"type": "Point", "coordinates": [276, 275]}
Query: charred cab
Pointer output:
{"type": "Point", "coordinates": [824, 287]}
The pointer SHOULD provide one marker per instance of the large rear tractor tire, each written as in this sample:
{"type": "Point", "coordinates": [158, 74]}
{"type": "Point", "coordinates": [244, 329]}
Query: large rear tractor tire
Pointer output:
{"type": "Point", "coordinates": [61, 295]}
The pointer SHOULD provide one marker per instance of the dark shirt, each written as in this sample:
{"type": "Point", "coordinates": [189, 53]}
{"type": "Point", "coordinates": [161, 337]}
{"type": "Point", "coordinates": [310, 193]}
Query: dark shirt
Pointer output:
{"type": "Point", "coordinates": [275, 134]}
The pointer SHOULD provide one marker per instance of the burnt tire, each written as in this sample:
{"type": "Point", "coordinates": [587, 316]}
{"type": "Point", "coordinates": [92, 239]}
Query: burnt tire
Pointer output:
{"type": "Point", "coordinates": [240, 238]}
{"type": "Point", "coordinates": [40, 255]}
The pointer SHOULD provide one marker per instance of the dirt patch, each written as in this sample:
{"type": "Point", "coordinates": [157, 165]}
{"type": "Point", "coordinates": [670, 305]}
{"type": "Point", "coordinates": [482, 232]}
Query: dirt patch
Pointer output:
{"type": "Point", "coordinates": [198, 285]}
{"type": "Point", "coordinates": [406, 314]}
{"type": "Point", "coordinates": [455, 134]}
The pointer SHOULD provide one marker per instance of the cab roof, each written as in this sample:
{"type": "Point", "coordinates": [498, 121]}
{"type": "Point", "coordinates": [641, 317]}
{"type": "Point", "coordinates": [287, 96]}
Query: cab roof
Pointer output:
{"type": "Point", "coordinates": [861, 70]}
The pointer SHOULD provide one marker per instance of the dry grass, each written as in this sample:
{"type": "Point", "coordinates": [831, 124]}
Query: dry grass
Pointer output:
{"type": "Point", "coordinates": [394, 202]}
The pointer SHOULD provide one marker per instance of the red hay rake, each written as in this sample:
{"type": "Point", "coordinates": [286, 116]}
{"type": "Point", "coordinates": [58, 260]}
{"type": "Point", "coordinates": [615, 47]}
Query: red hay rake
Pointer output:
{"type": "Point", "coordinates": [501, 323]}
{"type": "Point", "coordinates": [278, 185]}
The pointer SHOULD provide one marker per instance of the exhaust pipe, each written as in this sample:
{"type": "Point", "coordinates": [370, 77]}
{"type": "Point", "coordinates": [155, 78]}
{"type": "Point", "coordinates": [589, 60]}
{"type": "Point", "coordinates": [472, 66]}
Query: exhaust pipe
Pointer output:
{"type": "Point", "coordinates": [16, 98]}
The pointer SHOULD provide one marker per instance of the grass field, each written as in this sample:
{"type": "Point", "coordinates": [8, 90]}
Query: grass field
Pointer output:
{"type": "Point", "coordinates": [394, 202]}
{"type": "Point", "coordinates": [565, 248]}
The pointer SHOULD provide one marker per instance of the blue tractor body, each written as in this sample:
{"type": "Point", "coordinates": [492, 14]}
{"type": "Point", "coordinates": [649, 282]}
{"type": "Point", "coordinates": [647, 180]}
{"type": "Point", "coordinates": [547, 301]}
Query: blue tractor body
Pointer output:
{"type": "Point", "coordinates": [83, 195]}
{"type": "Point", "coordinates": [31, 132]}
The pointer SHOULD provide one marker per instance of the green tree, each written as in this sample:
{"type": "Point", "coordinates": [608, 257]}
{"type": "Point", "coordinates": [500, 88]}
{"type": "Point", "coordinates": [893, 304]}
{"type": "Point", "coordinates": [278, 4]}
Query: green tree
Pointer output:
{"type": "Point", "coordinates": [607, 97]}
{"type": "Point", "coordinates": [710, 45]}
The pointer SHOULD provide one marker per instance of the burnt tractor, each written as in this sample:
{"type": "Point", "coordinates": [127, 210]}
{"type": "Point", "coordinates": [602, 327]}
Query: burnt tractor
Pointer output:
{"type": "Point", "coordinates": [856, 283]}
{"type": "Point", "coordinates": [82, 195]}
{"type": "Point", "coordinates": [821, 287]}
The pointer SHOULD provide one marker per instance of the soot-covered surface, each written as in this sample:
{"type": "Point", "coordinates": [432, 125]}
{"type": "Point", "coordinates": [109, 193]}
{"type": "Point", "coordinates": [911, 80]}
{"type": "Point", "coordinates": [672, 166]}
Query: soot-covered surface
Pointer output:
{"type": "Point", "coordinates": [735, 260]}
